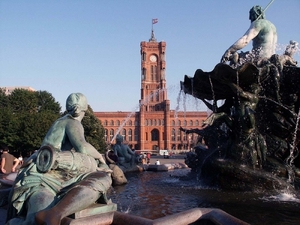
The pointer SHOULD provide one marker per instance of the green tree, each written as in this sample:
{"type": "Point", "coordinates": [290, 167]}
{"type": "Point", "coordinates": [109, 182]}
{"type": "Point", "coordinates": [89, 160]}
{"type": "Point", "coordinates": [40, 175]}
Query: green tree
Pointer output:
{"type": "Point", "coordinates": [9, 126]}
{"type": "Point", "coordinates": [25, 118]}
{"type": "Point", "coordinates": [3, 99]}
{"type": "Point", "coordinates": [21, 100]}
{"type": "Point", "coordinates": [47, 103]}
{"type": "Point", "coordinates": [94, 131]}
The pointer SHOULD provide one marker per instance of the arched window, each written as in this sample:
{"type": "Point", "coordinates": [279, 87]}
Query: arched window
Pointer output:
{"type": "Point", "coordinates": [154, 135]}
{"type": "Point", "coordinates": [124, 134]}
{"type": "Point", "coordinates": [105, 134]}
{"type": "Point", "coordinates": [191, 122]}
{"type": "Point", "coordinates": [143, 73]}
{"type": "Point", "coordinates": [173, 134]}
{"type": "Point", "coordinates": [178, 135]}
{"type": "Point", "coordinates": [111, 122]}
{"type": "Point", "coordinates": [173, 123]}
{"type": "Point", "coordinates": [184, 123]}
{"type": "Point", "coordinates": [118, 122]}
{"type": "Point", "coordinates": [151, 96]}
{"type": "Point", "coordinates": [153, 72]}
{"type": "Point", "coordinates": [197, 123]}
{"type": "Point", "coordinates": [130, 135]}
{"type": "Point", "coordinates": [184, 136]}
{"type": "Point", "coordinates": [136, 134]}
{"type": "Point", "coordinates": [105, 123]}
{"type": "Point", "coordinates": [111, 134]}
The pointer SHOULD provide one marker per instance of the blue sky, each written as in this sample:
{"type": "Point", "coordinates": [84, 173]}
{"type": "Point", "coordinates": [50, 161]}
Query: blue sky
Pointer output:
{"type": "Point", "coordinates": [93, 47]}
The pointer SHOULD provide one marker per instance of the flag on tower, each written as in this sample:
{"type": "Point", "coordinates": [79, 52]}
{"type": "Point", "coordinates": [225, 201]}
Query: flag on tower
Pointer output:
{"type": "Point", "coordinates": [154, 21]}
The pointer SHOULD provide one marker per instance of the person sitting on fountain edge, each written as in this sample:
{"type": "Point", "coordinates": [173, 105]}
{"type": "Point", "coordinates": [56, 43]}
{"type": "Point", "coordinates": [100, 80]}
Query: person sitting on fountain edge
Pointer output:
{"type": "Point", "coordinates": [263, 35]}
{"type": "Point", "coordinates": [46, 198]}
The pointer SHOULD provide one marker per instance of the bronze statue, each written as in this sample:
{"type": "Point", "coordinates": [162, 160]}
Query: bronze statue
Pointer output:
{"type": "Point", "coordinates": [66, 175]}
{"type": "Point", "coordinates": [287, 58]}
{"type": "Point", "coordinates": [263, 35]}
{"type": "Point", "coordinates": [261, 109]}
{"type": "Point", "coordinates": [126, 157]}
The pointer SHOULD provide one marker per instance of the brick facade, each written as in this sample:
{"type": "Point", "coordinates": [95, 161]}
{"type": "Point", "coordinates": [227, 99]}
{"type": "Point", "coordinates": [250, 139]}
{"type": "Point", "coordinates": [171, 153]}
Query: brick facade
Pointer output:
{"type": "Point", "coordinates": [155, 126]}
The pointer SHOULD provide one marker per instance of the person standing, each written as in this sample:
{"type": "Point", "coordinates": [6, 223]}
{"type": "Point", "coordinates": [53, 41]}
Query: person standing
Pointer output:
{"type": "Point", "coordinates": [9, 163]}
{"type": "Point", "coordinates": [144, 158]}
{"type": "Point", "coordinates": [148, 157]}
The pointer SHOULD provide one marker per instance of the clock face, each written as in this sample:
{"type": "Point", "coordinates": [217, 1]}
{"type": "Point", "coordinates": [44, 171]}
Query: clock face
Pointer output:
{"type": "Point", "coordinates": [153, 58]}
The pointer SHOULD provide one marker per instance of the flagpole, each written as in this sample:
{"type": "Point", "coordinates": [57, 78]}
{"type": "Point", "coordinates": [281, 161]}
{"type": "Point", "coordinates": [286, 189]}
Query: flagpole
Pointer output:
{"type": "Point", "coordinates": [152, 24]}
{"type": "Point", "coordinates": [154, 21]}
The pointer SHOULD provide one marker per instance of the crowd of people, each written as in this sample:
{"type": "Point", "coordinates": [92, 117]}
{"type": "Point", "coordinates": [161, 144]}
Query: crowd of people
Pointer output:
{"type": "Point", "coordinates": [145, 158]}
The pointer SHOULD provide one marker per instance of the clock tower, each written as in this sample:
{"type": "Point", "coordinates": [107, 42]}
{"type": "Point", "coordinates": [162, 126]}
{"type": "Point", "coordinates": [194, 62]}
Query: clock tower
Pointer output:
{"type": "Point", "coordinates": [155, 126]}
{"type": "Point", "coordinates": [154, 105]}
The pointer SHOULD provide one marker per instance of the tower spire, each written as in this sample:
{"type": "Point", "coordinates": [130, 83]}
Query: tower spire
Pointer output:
{"type": "Point", "coordinates": [152, 36]}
